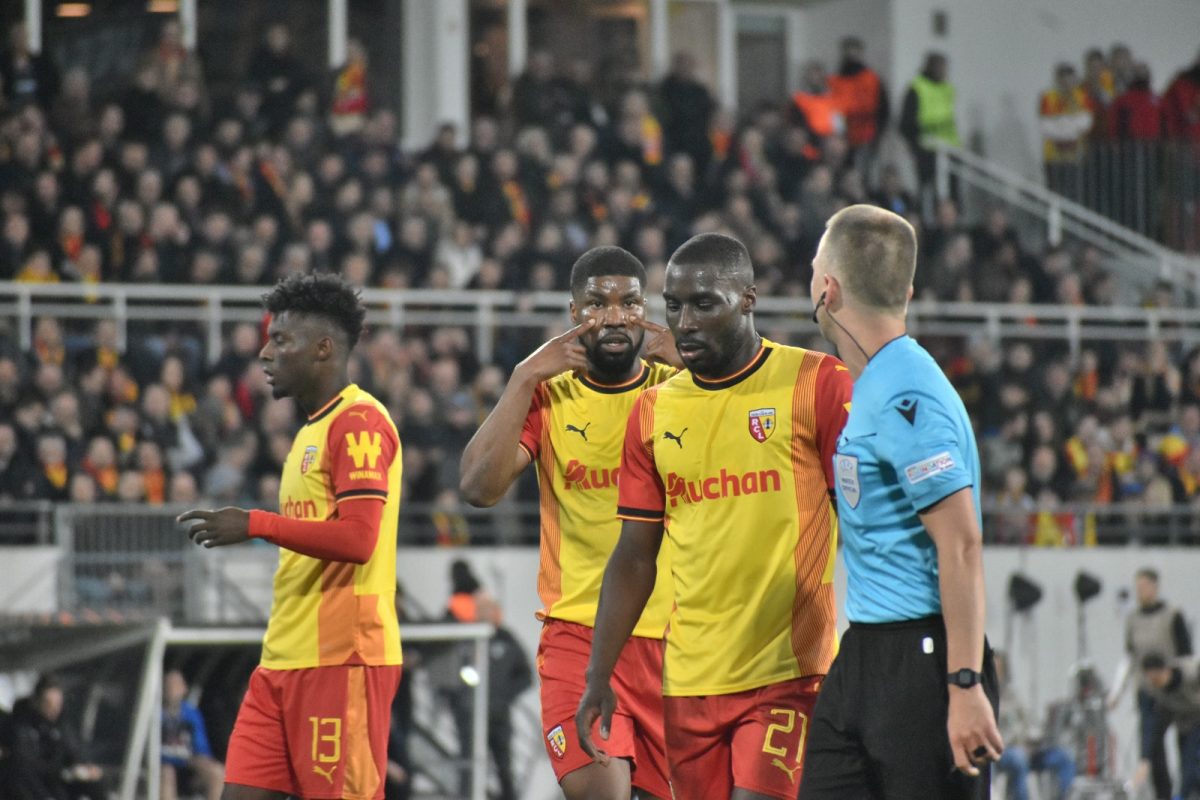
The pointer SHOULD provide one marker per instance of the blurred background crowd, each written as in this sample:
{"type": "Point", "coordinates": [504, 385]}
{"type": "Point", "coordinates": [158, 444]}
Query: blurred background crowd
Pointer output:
{"type": "Point", "coordinates": [162, 180]}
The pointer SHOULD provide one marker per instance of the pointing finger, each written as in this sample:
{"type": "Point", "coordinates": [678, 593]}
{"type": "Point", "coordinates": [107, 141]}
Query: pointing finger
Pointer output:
{"type": "Point", "coordinates": [646, 324]}
{"type": "Point", "coordinates": [578, 331]}
{"type": "Point", "coordinates": [195, 513]}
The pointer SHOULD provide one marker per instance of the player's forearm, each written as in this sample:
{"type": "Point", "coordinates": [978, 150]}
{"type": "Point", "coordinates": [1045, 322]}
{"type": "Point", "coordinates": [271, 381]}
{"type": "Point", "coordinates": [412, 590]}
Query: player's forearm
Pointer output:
{"type": "Point", "coordinates": [350, 538]}
{"type": "Point", "coordinates": [960, 577]}
{"type": "Point", "coordinates": [954, 528]}
{"type": "Point", "coordinates": [487, 462]}
{"type": "Point", "coordinates": [628, 582]}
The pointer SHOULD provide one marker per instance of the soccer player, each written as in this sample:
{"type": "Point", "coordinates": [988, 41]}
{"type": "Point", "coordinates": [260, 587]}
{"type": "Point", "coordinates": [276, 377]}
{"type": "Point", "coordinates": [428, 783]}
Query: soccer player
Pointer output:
{"type": "Point", "coordinates": [733, 463]}
{"type": "Point", "coordinates": [912, 693]}
{"type": "Point", "coordinates": [314, 721]}
{"type": "Point", "coordinates": [565, 409]}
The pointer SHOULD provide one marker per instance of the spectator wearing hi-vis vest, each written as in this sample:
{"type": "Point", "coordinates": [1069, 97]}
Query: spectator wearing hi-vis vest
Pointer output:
{"type": "Point", "coordinates": [862, 98]}
{"type": "Point", "coordinates": [814, 107]}
{"type": "Point", "coordinates": [928, 116]}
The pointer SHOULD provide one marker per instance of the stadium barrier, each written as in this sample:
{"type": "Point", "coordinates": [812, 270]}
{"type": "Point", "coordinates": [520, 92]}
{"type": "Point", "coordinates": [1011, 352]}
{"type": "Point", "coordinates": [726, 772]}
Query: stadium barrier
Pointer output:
{"type": "Point", "coordinates": [38, 647]}
{"type": "Point", "coordinates": [121, 562]}
{"type": "Point", "coordinates": [208, 311]}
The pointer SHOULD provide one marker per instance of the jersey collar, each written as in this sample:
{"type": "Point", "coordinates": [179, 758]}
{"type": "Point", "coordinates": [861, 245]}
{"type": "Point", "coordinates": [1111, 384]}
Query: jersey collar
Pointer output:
{"type": "Point", "coordinates": [888, 344]}
{"type": "Point", "coordinates": [617, 388]}
{"type": "Point", "coordinates": [327, 409]}
{"type": "Point", "coordinates": [759, 359]}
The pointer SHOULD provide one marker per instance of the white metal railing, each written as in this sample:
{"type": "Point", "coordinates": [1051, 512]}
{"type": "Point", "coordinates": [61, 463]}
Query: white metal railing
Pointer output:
{"type": "Point", "coordinates": [486, 313]}
{"type": "Point", "coordinates": [1061, 215]}
{"type": "Point", "coordinates": [145, 735]}
{"type": "Point", "coordinates": [146, 550]}
{"type": "Point", "coordinates": [53, 646]}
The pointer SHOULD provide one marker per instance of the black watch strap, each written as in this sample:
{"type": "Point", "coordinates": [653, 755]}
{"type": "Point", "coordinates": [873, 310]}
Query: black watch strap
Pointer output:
{"type": "Point", "coordinates": [964, 678]}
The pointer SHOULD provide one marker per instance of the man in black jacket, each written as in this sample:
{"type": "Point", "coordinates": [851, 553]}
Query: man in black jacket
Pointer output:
{"type": "Point", "coordinates": [46, 761]}
{"type": "Point", "coordinates": [688, 107]}
{"type": "Point", "coordinates": [1175, 686]}
{"type": "Point", "coordinates": [509, 675]}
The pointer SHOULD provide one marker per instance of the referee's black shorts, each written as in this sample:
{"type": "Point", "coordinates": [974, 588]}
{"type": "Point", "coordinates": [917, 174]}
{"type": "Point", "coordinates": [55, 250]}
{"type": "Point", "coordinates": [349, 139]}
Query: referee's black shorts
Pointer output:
{"type": "Point", "coordinates": [879, 728]}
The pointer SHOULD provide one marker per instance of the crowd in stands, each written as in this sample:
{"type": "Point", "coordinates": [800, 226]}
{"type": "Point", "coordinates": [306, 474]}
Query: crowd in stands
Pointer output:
{"type": "Point", "coordinates": [159, 182]}
{"type": "Point", "coordinates": [1112, 141]}
{"type": "Point", "coordinates": [1115, 99]}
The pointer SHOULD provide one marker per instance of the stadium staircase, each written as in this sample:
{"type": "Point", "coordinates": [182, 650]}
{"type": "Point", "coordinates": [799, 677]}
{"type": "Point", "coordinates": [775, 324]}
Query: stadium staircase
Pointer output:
{"type": "Point", "coordinates": [1054, 220]}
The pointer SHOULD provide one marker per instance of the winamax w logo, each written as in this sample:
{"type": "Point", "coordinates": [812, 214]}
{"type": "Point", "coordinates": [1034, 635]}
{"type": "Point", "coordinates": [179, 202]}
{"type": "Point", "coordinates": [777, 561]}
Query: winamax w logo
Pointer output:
{"type": "Point", "coordinates": [581, 477]}
{"type": "Point", "coordinates": [727, 484]}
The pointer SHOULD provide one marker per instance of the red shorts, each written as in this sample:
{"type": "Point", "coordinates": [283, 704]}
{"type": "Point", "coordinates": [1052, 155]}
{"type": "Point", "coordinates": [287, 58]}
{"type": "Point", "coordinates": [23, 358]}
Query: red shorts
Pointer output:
{"type": "Point", "coordinates": [750, 740]}
{"type": "Point", "coordinates": [316, 733]}
{"type": "Point", "coordinates": [637, 725]}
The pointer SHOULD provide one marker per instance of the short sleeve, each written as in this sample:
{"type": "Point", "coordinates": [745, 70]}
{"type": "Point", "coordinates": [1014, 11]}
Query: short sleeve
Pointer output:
{"type": "Point", "coordinates": [641, 497]}
{"type": "Point", "coordinates": [362, 446]}
{"type": "Point", "coordinates": [834, 388]}
{"type": "Point", "coordinates": [918, 437]}
{"type": "Point", "coordinates": [531, 433]}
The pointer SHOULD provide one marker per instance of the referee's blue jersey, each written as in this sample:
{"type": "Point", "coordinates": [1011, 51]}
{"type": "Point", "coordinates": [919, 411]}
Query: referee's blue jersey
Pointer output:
{"type": "Point", "coordinates": [907, 444]}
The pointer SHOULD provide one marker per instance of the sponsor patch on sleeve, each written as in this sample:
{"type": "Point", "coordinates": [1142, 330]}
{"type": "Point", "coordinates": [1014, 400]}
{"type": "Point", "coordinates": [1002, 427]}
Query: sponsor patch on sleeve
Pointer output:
{"type": "Point", "coordinates": [934, 465]}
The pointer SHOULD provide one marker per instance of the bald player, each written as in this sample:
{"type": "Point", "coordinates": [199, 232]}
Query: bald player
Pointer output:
{"type": "Point", "coordinates": [908, 709]}
{"type": "Point", "coordinates": [732, 463]}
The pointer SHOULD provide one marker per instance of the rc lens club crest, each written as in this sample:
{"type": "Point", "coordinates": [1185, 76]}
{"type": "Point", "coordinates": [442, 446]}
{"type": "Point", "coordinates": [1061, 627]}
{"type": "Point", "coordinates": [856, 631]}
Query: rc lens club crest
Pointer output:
{"type": "Point", "coordinates": [762, 423]}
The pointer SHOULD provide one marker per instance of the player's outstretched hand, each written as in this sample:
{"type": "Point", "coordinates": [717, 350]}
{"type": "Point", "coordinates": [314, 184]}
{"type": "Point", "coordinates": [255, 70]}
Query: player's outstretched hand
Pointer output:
{"type": "Point", "coordinates": [558, 355]}
{"type": "Point", "coordinates": [598, 702]}
{"type": "Point", "coordinates": [217, 528]}
{"type": "Point", "coordinates": [974, 737]}
{"type": "Point", "coordinates": [660, 344]}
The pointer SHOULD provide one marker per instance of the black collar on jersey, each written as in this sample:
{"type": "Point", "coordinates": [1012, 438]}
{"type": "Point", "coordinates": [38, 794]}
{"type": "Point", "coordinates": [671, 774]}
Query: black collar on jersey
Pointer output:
{"type": "Point", "coordinates": [617, 388]}
{"type": "Point", "coordinates": [759, 359]}
{"type": "Point", "coordinates": [326, 411]}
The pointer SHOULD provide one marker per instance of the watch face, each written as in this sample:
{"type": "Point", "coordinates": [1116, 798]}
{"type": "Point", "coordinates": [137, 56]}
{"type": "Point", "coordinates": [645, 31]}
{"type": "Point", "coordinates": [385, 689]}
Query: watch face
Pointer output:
{"type": "Point", "coordinates": [964, 678]}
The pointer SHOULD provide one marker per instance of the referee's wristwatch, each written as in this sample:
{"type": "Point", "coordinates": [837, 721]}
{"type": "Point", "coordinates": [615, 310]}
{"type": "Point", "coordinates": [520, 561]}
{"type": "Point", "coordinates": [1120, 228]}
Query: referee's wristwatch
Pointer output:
{"type": "Point", "coordinates": [964, 678]}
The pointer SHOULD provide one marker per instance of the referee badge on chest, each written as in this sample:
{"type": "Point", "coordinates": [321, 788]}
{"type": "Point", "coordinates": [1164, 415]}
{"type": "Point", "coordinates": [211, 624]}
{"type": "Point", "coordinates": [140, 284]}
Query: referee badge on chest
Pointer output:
{"type": "Point", "coordinates": [848, 487]}
{"type": "Point", "coordinates": [762, 423]}
{"type": "Point", "coordinates": [310, 455]}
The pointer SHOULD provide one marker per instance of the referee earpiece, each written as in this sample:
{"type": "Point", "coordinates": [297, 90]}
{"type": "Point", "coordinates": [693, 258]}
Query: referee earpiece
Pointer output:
{"type": "Point", "coordinates": [817, 307]}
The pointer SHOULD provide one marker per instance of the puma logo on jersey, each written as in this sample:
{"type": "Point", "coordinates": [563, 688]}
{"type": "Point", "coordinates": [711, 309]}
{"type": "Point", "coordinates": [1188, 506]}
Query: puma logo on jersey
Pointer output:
{"type": "Point", "coordinates": [581, 431]}
{"type": "Point", "coordinates": [791, 771]}
{"type": "Point", "coordinates": [676, 438]}
{"type": "Point", "coordinates": [327, 774]}
{"type": "Point", "coordinates": [360, 414]}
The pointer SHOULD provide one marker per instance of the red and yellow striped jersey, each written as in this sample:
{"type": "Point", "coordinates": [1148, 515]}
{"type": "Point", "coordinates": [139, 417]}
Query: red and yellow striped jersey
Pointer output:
{"type": "Point", "coordinates": [574, 433]}
{"type": "Point", "coordinates": [740, 471]}
{"type": "Point", "coordinates": [329, 612]}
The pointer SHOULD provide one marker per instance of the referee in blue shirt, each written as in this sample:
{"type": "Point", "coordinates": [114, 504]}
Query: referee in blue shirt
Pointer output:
{"type": "Point", "coordinates": [908, 709]}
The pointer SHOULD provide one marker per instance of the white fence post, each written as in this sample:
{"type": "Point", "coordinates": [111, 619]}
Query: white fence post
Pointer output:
{"type": "Point", "coordinates": [1054, 224]}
